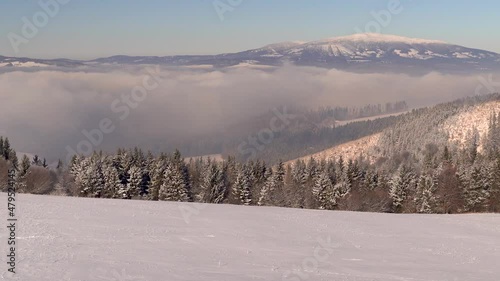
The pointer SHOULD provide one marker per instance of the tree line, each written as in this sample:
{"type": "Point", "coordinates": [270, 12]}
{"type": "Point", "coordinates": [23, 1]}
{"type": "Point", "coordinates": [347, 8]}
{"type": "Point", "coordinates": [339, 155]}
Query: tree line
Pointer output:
{"type": "Point", "coordinates": [418, 171]}
{"type": "Point", "coordinates": [449, 182]}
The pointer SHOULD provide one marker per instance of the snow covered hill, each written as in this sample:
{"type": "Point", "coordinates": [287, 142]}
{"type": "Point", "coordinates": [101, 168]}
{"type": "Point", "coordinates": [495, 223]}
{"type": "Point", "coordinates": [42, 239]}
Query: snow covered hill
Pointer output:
{"type": "Point", "coordinates": [364, 147]}
{"type": "Point", "coordinates": [61, 238]}
{"type": "Point", "coordinates": [367, 52]}
{"type": "Point", "coordinates": [453, 130]}
{"type": "Point", "coordinates": [383, 51]}
{"type": "Point", "coordinates": [477, 117]}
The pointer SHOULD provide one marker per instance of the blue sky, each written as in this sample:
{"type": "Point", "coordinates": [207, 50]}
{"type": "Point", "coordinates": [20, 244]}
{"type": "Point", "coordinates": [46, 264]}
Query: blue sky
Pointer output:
{"type": "Point", "coordinates": [95, 28]}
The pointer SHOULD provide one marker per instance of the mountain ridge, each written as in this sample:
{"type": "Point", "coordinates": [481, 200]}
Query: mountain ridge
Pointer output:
{"type": "Point", "coordinates": [366, 51]}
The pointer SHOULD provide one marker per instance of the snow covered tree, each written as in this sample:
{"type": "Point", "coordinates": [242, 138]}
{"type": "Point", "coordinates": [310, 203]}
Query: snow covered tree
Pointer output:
{"type": "Point", "coordinates": [472, 144]}
{"type": "Point", "coordinates": [242, 185]}
{"type": "Point", "coordinates": [213, 186]}
{"type": "Point", "coordinates": [22, 174]}
{"type": "Point", "coordinates": [424, 197]}
{"type": "Point", "coordinates": [157, 173]}
{"type": "Point", "coordinates": [494, 200]}
{"type": "Point", "coordinates": [269, 185]}
{"type": "Point", "coordinates": [173, 187]}
{"type": "Point", "coordinates": [180, 165]}
{"type": "Point", "coordinates": [89, 177]}
{"type": "Point", "coordinates": [133, 186]}
{"type": "Point", "coordinates": [402, 183]}
{"type": "Point", "coordinates": [325, 193]}
{"type": "Point", "coordinates": [6, 149]}
{"type": "Point", "coordinates": [475, 188]}
{"type": "Point", "coordinates": [112, 182]}
{"type": "Point", "coordinates": [24, 166]}
{"type": "Point", "coordinates": [492, 140]}
{"type": "Point", "coordinates": [371, 180]}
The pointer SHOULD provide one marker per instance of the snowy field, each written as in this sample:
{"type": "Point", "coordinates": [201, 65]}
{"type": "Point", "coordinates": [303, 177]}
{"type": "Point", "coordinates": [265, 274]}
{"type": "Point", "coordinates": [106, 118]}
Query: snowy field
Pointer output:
{"type": "Point", "coordinates": [63, 238]}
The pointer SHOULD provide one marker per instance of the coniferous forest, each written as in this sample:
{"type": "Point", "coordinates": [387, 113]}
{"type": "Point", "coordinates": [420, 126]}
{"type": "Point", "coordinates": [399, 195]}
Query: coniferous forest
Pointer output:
{"type": "Point", "coordinates": [417, 171]}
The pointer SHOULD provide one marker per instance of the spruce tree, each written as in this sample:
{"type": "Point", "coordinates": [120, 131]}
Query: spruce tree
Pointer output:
{"type": "Point", "coordinates": [37, 161]}
{"type": "Point", "coordinates": [112, 182]}
{"type": "Point", "coordinates": [21, 175]}
{"type": "Point", "coordinates": [267, 189]}
{"type": "Point", "coordinates": [474, 190]}
{"type": "Point", "coordinates": [173, 187]}
{"type": "Point", "coordinates": [424, 198]}
{"type": "Point", "coordinates": [402, 183]}
{"type": "Point", "coordinates": [134, 184]}
{"type": "Point", "coordinates": [325, 192]}
{"type": "Point", "coordinates": [213, 186]}
{"type": "Point", "coordinates": [241, 188]}
{"type": "Point", "coordinates": [157, 174]}
{"type": "Point", "coordinates": [6, 149]}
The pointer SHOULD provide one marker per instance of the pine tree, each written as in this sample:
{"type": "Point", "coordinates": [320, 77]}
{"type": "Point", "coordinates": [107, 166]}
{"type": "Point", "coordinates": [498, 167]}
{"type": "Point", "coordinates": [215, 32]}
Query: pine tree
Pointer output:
{"type": "Point", "coordinates": [13, 158]}
{"type": "Point", "coordinates": [112, 182]}
{"type": "Point", "coordinates": [22, 174]}
{"type": "Point", "coordinates": [24, 166]}
{"type": "Point", "coordinates": [6, 149]}
{"type": "Point", "coordinates": [424, 198]}
{"type": "Point", "coordinates": [401, 184]}
{"type": "Point", "coordinates": [180, 165]}
{"type": "Point", "coordinates": [325, 192]}
{"type": "Point", "coordinates": [492, 142]}
{"type": "Point", "coordinates": [173, 187]}
{"type": "Point", "coordinates": [157, 174]}
{"type": "Point", "coordinates": [269, 185]}
{"type": "Point", "coordinates": [213, 186]}
{"type": "Point", "coordinates": [134, 184]}
{"type": "Point", "coordinates": [37, 161]}
{"type": "Point", "coordinates": [474, 190]}
{"type": "Point", "coordinates": [241, 188]}
{"type": "Point", "coordinates": [494, 202]}
{"type": "Point", "coordinates": [472, 144]}
{"type": "Point", "coordinates": [89, 177]}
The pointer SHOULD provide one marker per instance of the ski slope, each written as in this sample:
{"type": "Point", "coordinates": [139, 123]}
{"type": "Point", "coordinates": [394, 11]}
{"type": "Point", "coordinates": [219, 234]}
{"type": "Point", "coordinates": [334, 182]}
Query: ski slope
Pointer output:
{"type": "Point", "coordinates": [63, 238]}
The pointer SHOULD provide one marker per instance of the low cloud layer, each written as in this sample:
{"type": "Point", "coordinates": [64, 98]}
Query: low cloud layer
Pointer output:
{"type": "Point", "coordinates": [45, 111]}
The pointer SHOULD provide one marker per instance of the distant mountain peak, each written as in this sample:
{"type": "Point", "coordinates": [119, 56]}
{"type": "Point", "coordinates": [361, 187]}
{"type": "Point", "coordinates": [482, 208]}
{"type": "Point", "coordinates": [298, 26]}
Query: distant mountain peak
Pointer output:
{"type": "Point", "coordinates": [362, 52]}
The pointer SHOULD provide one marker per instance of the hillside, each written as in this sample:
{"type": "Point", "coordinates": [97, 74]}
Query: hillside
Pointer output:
{"type": "Point", "coordinates": [450, 124]}
{"type": "Point", "coordinates": [363, 147]}
{"type": "Point", "coordinates": [76, 239]}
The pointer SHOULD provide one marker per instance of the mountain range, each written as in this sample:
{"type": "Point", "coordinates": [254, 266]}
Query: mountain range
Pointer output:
{"type": "Point", "coordinates": [367, 52]}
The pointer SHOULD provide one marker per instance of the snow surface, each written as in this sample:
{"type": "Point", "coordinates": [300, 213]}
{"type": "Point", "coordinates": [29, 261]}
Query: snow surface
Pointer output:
{"type": "Point", "coordinates": [64, 238]}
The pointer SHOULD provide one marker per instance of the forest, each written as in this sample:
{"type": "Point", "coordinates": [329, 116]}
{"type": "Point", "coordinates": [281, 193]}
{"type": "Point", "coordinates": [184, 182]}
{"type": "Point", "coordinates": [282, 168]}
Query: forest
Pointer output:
{"type": "Point", "coordinates": [419, 170]}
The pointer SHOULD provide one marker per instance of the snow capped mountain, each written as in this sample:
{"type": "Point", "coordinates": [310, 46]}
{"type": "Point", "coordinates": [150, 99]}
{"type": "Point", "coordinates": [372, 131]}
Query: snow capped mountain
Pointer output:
{"type": "Point", "coordinates": [350, 51]}
{"type": "Point", "coordinates": [368, 52]}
